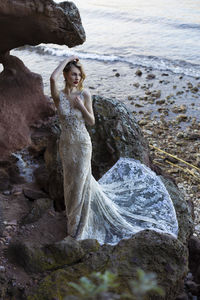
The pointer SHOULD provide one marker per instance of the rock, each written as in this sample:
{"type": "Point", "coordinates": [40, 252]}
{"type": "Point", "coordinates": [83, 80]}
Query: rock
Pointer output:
{"type": "Point", "coordinates": [33, 194]}
{"type": "Point", "coordinates": [184, 211]}
{"type": "Point", "coordinates": [143, 122]}
{"type": "Point", "coordinates": [138, 72]}
{"type": "Point", "coordinates": [193, 136]}
{"type": "Point", "coordinates": [194, 257]}
{"type": "Point", "coordinates": [90, 245]}
{"type": "Point", "coordinates": [149, 250]}
{"type": "Point", "coordinates": [39, 138]}
{"type": "Point", "coordinates": [38, 208]}
{"type": "Point", "coordinates": [178, 109]}
{"type": "Point", "coordinates": [116, 126]}
{"type": "Point", "coordinates": [148, 92]}
{"type": "Point", "coordinates": [181, 118]}
{"type": "Point", "coordinates": [194, 90]}
{"type": "Point", "coordinates": [190, 85]}
{"type": "Point", "coordinates": [160, 102]}
{"type": "Point", "coordinates": [21, 94]}
{"type": "Point", "coordinates": [180, 135]}
{"type": "Point", "coordinates": [179, 93]}
{"type": "Point", "coordinates": [41, 177]}
{"type": "Point", "coordinates": [150, 76]}
{"type": "Point", "coordinates": [130, 98]}
{"type": "Point", "coordinates": [40, 21]}
{"type": "Point", "coordinates": [10, 168]}
{"type": "Point", "coordinates": [49, 257]}
{"type": "Point", "coordinates": [136, 84]}
{"type": "Point", "coordinates": [4, 180]}
{"type": "Point", "coordinates": [183, 296]}
{"type": "Point", "coordinates": [156, 94]}
{"type": "Point", "coordinates": [138, 105]}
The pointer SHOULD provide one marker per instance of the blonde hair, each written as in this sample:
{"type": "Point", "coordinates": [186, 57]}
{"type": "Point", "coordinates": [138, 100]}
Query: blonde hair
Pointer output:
{"type": "Point", "coordinates": [78, 65]}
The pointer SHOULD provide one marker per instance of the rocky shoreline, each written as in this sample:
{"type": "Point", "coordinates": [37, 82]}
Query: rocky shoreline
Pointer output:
{"type": "Point", "coordinates": [34, 232]}
{"type": "Point", "coordinates": [37, 260]}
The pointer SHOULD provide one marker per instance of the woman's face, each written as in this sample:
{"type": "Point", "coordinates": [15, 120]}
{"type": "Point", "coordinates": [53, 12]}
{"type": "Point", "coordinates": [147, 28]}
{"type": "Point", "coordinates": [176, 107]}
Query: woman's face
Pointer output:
{"type": "Point", "coordinates": [73, 76]}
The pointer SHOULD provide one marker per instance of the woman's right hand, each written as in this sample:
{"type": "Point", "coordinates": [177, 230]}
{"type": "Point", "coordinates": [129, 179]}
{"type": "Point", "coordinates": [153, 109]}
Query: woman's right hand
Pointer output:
{"type": "Point", "coordinates": [73, 57]}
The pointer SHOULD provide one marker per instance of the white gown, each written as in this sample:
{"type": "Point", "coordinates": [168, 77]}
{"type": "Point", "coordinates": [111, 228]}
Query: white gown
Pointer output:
{"type": "Point", "coordinates": [127, 199]}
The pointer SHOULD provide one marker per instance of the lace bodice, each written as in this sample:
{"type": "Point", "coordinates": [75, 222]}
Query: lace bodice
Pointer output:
{"type": "Point", "coordinates": [72, 121]}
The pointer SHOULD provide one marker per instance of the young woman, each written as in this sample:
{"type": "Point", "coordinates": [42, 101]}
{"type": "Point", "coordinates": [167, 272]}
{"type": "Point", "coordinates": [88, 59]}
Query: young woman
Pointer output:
{"type": "Point", "coordinates": [74, 106]}
{"type": "Point", "coordinates": [127, 199]}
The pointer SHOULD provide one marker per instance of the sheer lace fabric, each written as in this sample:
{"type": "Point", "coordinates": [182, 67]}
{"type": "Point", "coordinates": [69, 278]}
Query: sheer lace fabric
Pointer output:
{"type": "Point", "coordinates": [127, 199]}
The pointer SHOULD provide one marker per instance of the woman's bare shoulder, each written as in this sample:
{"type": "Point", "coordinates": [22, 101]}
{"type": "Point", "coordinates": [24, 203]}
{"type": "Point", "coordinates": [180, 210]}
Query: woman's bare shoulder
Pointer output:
{"type": "Point", "coordinates": [86, 93]}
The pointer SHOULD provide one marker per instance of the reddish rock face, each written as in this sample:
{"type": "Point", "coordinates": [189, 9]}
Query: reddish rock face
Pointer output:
{"type": "Point", "coordinates": [30, 22]}
{"type": "Point", "coordinates": [22, 103]}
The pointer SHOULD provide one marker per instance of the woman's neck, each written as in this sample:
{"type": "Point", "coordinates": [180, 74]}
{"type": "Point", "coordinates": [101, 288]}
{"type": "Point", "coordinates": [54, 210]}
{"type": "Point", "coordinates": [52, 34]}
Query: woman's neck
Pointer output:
{"type": "Point", "coordinates": [70, 90]}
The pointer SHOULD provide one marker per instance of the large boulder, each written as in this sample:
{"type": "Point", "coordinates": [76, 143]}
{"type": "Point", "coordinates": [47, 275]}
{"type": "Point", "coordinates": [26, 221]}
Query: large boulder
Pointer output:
{"type": "Point", "coordinates": [115, 134]}
{"type": "Point", "coordinates": [148, 250]}
{"type": "Point", "coordinates": [22, 101]}
{"type": "Point", "coordinates": [37, 258]}
{"type": "Point", "coordinates": [25, 22]}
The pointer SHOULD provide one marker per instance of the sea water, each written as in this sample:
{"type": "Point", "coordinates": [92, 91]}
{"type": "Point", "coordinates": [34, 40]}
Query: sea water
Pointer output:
{"type": "Point", "coordinates": [163, 34]}
{"type": "Point", "coordinates": [123, 36]}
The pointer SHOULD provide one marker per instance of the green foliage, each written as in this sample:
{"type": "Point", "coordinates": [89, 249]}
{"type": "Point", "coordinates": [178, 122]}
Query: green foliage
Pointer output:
{"type": "Point", "coordinates": [144, 284]}
{"type": "Point", "coordinates": [88, 288]}
{"type": "Point", "coordinates": [97, 283]}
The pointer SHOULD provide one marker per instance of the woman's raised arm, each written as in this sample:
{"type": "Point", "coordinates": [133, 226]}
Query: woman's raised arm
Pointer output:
{"type": "Point", "coordinates": [54, 78]}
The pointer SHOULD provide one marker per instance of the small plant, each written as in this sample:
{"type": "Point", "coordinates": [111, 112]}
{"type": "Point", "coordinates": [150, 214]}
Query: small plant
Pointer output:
{"type": "Point", "coordinates": [145, 283]}
{"type": "Point", "coordinates": [89, 288]}
{"type": "Point", "coordinates": [97, 283]}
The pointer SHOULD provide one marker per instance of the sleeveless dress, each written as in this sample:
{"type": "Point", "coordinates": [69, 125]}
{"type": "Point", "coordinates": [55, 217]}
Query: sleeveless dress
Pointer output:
{"type": "Point", "coordinates": [127, 199]}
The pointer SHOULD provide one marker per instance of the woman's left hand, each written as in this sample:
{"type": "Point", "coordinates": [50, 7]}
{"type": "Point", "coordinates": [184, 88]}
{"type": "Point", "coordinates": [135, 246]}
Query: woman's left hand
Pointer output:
{"type": "Point", "coordinates": [78, 103]}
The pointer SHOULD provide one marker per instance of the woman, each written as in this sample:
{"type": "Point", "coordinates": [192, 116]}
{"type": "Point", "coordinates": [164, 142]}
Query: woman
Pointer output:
{"type": "Point", "coordinates": [127, 199]}
{"type": "Point", "coordinates": [74, 106]}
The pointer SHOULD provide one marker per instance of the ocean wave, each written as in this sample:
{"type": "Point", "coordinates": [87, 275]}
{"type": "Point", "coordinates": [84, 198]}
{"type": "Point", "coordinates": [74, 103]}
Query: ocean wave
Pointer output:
{"type": "Point", "coordinates": [155, 62]}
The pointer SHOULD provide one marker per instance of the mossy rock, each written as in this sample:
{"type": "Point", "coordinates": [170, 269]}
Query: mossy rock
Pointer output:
{"type": "Point", "coordinates": [50, 257]}
{"type": "Point", "coordinates": [148, 250]}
